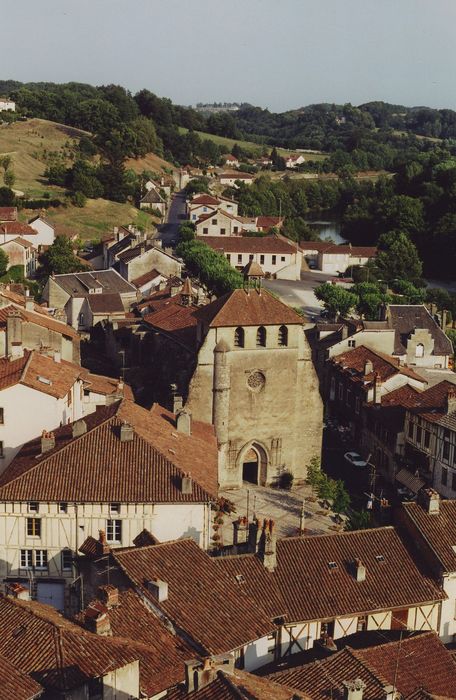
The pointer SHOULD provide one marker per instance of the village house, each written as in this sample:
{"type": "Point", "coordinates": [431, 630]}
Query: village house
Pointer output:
{"type": "Point", "coordinates": [45, 229]}
{"type": "Point", "coordinates": [89, 297]}
{"type": "Point", "coordinates": [205, 203]}
{"type": "Point", "coordinates": [64, 660]}
{"type": "Point", "coordinates": [231, 161]}
{"type": "Point", "coordinates": [229, 179]}
{"type": "Point", "coordinates": [342, 588]}
{"type": "Point", "coordinates": [153, 200]}
{"type": "Point", "coordinates": [9, 230]}
{"type": "Point", "coordinates": [293, 160]}
{"type": "Point", "coordinates": [266, 223]}
{"type": "Point", "coordinates": [362, 376]}
{"type": "Point", "coordinates": [141, 259]}
{"type": "Point", "coordinates": [430, 437]}
{"type": "Point", "coordinates": [21, 253]}
{"type": "Point", "coordinates": [277, 257]}
{"type": "Point", "coordinates": [164, 185]}
{"type": "Point", "coordinates": [149, 282]}
{"type": "Point", "coordinates": [418, 666]}
{"type": "Point", "coordinates": [220, 223]}
{"type": "Point", "coordinates": [8, 214]}
{"type": "Point", "coordinates": [122, 238]}
{"type": "Point", "coordinates": [118, 470]}
{"type": "Point", "coordinates": [7, 105]}
{"type": "Point", "coordinates": [332, 259]}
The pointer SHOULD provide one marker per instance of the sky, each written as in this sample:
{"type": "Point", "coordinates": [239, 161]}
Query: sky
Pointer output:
{"type": "Point", "coordinates": [279, 54]}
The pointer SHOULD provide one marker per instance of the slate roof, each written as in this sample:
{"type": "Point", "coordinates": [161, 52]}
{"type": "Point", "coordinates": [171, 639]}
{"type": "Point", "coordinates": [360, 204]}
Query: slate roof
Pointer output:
{"type": "Point", "coordinates": [404, 319]}
{"type": "Point", "coordinates": [78, 284]}
{"type": "Point", "coordinates": [437, 529]}
{"type": "Point", "coordinates": [61, 656]}
{"type": "Point", "coordinates": [384, 366]}
{"type": "Point", "coordinates": [420, 664]}
{"type": "Point", "coordinates": [121, 245]}
{"type": "Point", "coordinates": [311, 590]}
{"type": "Point", "coordinates": [8, 214]}
{"type": "Point", "coordinates": [238, 685]}
{"type": "Point", "coordinates": [98, 467]}
{"type": "Point", "coordinates": [152, 197]}
{"type": "Point", "coordinates": [204, 602]}
{"type": "Point", "coordinates": [16, 685]}
{"type": "Point", "coordinates": [249, 244]}
{"type": "Point", "coordinates": [247, 308]}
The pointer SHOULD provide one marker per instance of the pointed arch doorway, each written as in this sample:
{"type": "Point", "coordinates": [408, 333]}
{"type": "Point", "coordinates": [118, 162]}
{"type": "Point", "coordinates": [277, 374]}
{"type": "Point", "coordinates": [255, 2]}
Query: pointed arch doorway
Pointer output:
{"type": "Point", "coordinates": [254, 465]}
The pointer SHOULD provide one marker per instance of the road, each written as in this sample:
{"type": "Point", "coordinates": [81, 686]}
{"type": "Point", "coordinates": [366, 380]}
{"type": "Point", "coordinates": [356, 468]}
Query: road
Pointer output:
{"type": "Point", "coordinates": [169, 230]}
{"type": "Point", "coordinates": [300, 292]}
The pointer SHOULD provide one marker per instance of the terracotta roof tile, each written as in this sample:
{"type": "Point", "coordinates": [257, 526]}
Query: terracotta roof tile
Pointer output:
{"type": "Point", "coordinates": [105, 303]}
{"type": "Point", "coordinates": [249, 244]}
{"type": "Point", "coordinates": [268, 221]}
{"type": "Point", "coordinates": [247, 308]}
{"type": "Point", "coordinates": [204, 199]}
{"type": "Point", "coordinates": [16, 685]}
{"type": "Point", "coordinates": [384, 366]}
{"type": "Point", "coordinates": [203, 601]}
{"type": "Point", "coordinates": [433, 405]}
{"type": "Point", "coordinates": [437, 529]}
{"type": "Point", "coordinates": [238, 685]}
{"type": "Point", "coordinates": [8, 214]}
{"type": "Point", "coordinates": [42, 319]}
{"type": "Point", "coordinates": [17, 228]}
{"type": "Point", "coordinates": [75, 470]}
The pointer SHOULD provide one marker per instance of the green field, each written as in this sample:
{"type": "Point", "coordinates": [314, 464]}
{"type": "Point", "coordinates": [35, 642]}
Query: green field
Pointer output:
{"type": "Point", "coordinates": [254, 148]}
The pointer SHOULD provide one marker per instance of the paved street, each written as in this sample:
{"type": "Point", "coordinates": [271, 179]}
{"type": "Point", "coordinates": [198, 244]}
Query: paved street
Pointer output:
{"type": "Point", "coordinates": [284, 507]}
{"type": "Point", "coordinates": [300, 292]}
{"type": "Point", "coordinates": [168, 231]}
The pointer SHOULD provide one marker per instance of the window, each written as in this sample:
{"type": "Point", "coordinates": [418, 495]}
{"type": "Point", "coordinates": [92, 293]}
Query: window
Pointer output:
{"type": "Point", "coordinates": [261, 259]}
{"type": "Point", "coordinates": [352, 343]}
{"type": "Point", "coordinates": [239, 258]}
{"type": "Point", "coordinates": [235, 229]}
{"type": "Point", "coordinates": [446, 451]}
{"type": "Point", "coordinates": [261, 337]}
{"type": "Point", "coordinates": [361, 624]}
{"type": "Point", "coordinates": [348, 397]}
{"type": "Point", "coordinates": [419, 434]}
{"type": "Point", "coordinates": [282, 258]}
{"type": "Point", "coordinates": [444, 476]}
{"type": "Point", "coordinates": [205, 231]}
{"type": "Point", "coordinates": [26, 558]}
{"type": "Point", "coordinates": [410, 430]}
{"type": "Point", "coordinates": [214, 222]}
{"type": "Point", "coordinates": [33, 507]}
{"type": "Point", "coordinates": [2, 454]}
{"type": "Point", "coordinates": [283, 336]}
{"type": "Point", "coordinates": [2, 416]}
{"type": "Point", "coordinates": [63, 507]}
{"type": "Point", "coordinates": [228, 257]}
{"type": "Point", "coordinates": [33, 527]}
{"type": "Point", "coordinates": [427, 437]}
{"type": "Point", "coordinates": [274, 259]}
{"type": "Point", "coordinates": [239, 337]}
{"type": "Point", "coordinates": [114, 508]}
{"type": "Point", "coordinates": [453, 482]}
{"type": "Point", "coordinates": [251, 257]}
{"type": "Point", "coordinates": [69, 398]}
{"type": "Point", "coordinates": [419, 350]}
{"type": "Point", "coordinates": [271, 643]}
{"type": "Point", "coordinates": [41, 559]}
{"type": "Point", "coordinates": [67, 560]}
{"type": "Point", "coordinates": [222, 231]}
{"type": "Point", "coordinates": [81, 319]}
{"type": "Point", "coordinates": [114, 530]}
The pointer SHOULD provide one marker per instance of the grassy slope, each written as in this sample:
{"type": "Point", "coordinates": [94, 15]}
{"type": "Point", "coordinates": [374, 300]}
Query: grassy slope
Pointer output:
{"type": "Point", "coordinates": [254, 148]}
{"type": "Point", "coordinates": [28, 142]}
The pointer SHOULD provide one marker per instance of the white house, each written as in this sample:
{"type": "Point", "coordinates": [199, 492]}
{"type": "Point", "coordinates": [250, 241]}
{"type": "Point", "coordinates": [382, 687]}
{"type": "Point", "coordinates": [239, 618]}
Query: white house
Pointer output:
{"type": "Point", "coordinates": [45, 230]}
{"type": "Point", "coordinates": [231, 161]}
{"type": "Point", "coordinates": [293, 160]}
{"type": "Point", "coordinates": [7, 105]}
{"type": "Point", "coordinates": [229, 179]}
{"type": "Point", "coordinates": [21, 252]}
{"type": "Point", "coordinates": [205, 203]}
{"type": "Point", "coordinates": [276, 257]}
{"type": "Point", "coordinates": [9, 230]}
{"type": "Point", "coordinates": [221, 223]}
{"type": "Point", "coordinates": [118, 470]}
{"type": "Point", "coordinates": [332, 259]}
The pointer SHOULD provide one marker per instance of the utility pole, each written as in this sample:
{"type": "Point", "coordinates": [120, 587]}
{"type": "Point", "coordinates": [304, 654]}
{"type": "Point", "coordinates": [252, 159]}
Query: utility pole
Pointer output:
{"type": "Point", "coordinates": [302, 517]}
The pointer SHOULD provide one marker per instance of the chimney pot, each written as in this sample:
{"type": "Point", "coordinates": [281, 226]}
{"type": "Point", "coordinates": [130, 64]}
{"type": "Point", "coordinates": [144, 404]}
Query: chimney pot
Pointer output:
{"type": "Point", "coordinates": [360, 570]}
{"type": "Point", "coordinates": [103, 625]}
{"type": "Point", "coordinates": [17, 590]}
{"type": "Point", "coordinates": [184, 422]}
{"type": "Point", "coordinates": [430, 501]}
{"type": "Point", "coordinates": [109, 595]}
{"type": "Point", "coordinates": [79, 428]}
{"type": "Point", "coordinates": [354, 690]}
{"type": "Point", "coordinates": [47, 441]}
{"type": "Point", "coordinates": [186, 484]}
{"type": "Point", "coordinates": [368, 367]}
{"type": "Point", "coordinates": [126, 432]}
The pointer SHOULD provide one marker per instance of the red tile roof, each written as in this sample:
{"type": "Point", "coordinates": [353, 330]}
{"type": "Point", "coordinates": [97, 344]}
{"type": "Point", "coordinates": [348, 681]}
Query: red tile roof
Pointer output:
{"type": "Point", "coordinates": [17, 228]}
{"type": "Point", "coordinates": [39, 372]}
{"type": "Point", "coordinates": [8, 214]}
{"type": "Point", "coordinates": [204, 199]}
{"type": "Point", "coordinates": [238, 175]}
{"type": "Point", "coordinates": [16, 685]}
{"type": "Point", "coordinates": [419, 663]}
{"type": "Point", "coordinates": [391, 411]}
{"type": "Point", "coordinates": [247, 244]}
{"type": "Point", "coordinates": [202, 601]}
{"type": "Point", "coordinates": [40, 318]}
{"type": "Point", "coordinates": [238, 685]}
{"type": "Point", "coordinates": [268, 221]}
{"type": "Point", "coordinates": [174, 319]}
{"type": "Point", "coordinates": [247, 308]}
{"type": "Point", "coordinates": [75, 470]}
{"type": "Point", "coordinates": [384, 366]}
{"type": "Point", "coordinates": [433, 405]}
{"type": "Point", "coordinates": [437, 529]}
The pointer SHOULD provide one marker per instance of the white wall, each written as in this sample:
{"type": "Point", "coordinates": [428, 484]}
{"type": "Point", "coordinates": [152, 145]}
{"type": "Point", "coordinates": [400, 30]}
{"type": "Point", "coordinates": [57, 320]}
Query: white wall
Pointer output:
{"type": "Point", "coordinates": [282, 265]}
{"type": "Point", "coordinates": [46, 233]}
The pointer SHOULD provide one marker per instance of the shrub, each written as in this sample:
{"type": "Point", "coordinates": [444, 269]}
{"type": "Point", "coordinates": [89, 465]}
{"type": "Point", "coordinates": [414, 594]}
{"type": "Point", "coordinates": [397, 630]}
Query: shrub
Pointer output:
{"type": "Point", "coordinates": [79, 200]}
{"type": "Point", "coordinates": [286, 480]}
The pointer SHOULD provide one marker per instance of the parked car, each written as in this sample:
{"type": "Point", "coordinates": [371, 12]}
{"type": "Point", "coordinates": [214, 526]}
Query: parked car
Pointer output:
{"type": "Point", "coordinates": [355, 459]}
{"type": "Point", "coordinates": [312, 265]}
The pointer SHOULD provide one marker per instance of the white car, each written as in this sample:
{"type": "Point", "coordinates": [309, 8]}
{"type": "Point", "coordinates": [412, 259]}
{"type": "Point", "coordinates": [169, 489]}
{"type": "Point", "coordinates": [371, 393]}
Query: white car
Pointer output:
{"type": "Point", "coordinates": [355, 459]}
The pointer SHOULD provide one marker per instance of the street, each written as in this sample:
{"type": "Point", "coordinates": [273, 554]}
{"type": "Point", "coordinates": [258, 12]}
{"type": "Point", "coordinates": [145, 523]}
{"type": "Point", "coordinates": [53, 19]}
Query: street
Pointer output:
{"type": "Point", "coordinates": [169, 230]}
{"type": "Point", "coordinates": [300, 292]}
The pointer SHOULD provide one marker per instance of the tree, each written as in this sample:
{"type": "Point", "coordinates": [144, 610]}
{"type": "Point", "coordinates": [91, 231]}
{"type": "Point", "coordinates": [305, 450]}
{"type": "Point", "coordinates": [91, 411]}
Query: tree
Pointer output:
{"type": "Point", "coordinates": [314, 473]}
{"type": "Point", "coordinates": [358, 520]}
{"type": "Point", "coordinates": [398, 257]}
{"type": "Point", "coordinates": [7, 197]}
{"type": "Point", "coordinates": [3, 262]}
{"type": "Point", "coordinates": [60, 259]}
{"type": "Point", "coordinates": [341, 500]}
{"type": "Point", "coordinates": [9, 178]}
{"type": "Point", "coordinates": [326, 488]}
{"type": "Point", "coordinates": [337, 301]}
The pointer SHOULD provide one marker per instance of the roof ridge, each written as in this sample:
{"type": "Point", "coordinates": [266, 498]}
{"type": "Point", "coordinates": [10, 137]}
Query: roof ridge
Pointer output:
{"type": "Point", "coordinates": [344, 533]}
{"type": "Point", "coordinates": [223, 676]}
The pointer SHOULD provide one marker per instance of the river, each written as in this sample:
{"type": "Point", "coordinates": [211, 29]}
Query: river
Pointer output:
{"type": "Point", "coordinates": [328, 229]}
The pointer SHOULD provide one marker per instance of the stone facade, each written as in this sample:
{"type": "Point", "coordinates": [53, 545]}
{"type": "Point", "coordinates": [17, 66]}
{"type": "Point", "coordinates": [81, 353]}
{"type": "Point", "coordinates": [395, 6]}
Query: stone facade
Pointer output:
{"type": "Point", "coordinates": [263, 401]}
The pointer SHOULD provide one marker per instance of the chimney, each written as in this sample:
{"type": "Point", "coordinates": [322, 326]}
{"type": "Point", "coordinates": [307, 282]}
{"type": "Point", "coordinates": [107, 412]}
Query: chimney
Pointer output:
{"type": "Point", "coordinates": [47, 441]}
{"type": "Point", "coordinates": [79, 428]}
{"type": "Point", "coordinates": [430, 501]}
{"type": "Point", "coordinates": [359, 570]}
{"type": "Point", "coordinates": [57, 356]}
{"type": "Point", "coordinates": [102, 626]}
{"type": "Point", "coordinates": [389, 693]}
{"type": "Point", "coordinates": [126, 432]}
{"type": "Point", "coordinates": [17, 350]}
{"type": "Point", "coordinates": [451, 400]}
{"type": "Point", "coordinates": [199, 673]}
{"type": "Point", "coordinates": [29, 301]}
{"type": "Point", "coordinates": [344, 332]}
{"type": "Point", "coordinates": [377, 390]}
{"type": "Point", "coordinates": [103, 547]}
{"type": "Point", "coordinates": [176, 399]}
{"type": "Point", "coordinates": [13, 330]}
{"type": "Point", "coordinates": [254, 535]}
{"type": "Point", "coordinates": [267, 548]}
{"type": "Point", "coordinates": [187, 484]}
{"type": "Point", "coordinates": [116, 231]}
{"type": "Point", "coordinates": [109, 595]}
{"type": "Point", "coordinates": [184, 422]}
{"type": "Point", "coordinates": [159, 589]}
{"type": "Point", "coordinates": [354, 690]}
{"type": "Point", "coordinates": [368, 367]}
{"type": "Point", "coordinates": [17, 590]}
{"type": "Point", "coordinates": [240, 531]}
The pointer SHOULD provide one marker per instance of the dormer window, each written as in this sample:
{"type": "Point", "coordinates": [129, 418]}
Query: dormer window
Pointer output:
{"type": "Point", "coordinates": [261, 337]}
{"type": "Point", "coordinates": [419, 350]}
{"type": "Point", "coordinates": [239, 337]}
{"type": "Point", "coordinates": [283, 336]}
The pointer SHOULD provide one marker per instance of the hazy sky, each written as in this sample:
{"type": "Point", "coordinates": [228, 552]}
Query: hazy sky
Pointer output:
{"type": "Point", "coordinates": [274, 53]}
